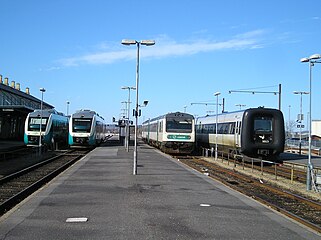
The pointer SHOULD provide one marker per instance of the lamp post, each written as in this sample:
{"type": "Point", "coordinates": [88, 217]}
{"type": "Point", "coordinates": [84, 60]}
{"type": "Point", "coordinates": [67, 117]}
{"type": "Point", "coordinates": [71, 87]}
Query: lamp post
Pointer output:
{"type": "Point", "coordinates": [42, 90]}
{"type": "Point", "coordinates": [289, 123]}
{"type": "Point", "coordinates": [137, 43]}
{"type": "Point", "coordinates": [240, 105]}
{"type": "Point", "coordinates": [185, 108]}
{"type": "Point", "coordinates": [68, 108]}
{"type": "Point", "coordinates": [216, 95]}
{"type": "Point", "coordinates": [311, 60]}
{"type": "Point", "coordinates": [300, 118]}
{"type": "Point", "coordinates": [127, 139]}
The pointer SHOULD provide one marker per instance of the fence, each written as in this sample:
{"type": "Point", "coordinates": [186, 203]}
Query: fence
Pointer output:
{"type": "Point", "coordinates": [291, 171]}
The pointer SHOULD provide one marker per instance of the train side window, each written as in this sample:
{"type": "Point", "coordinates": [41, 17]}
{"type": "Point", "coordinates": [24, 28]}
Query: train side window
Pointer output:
{"type": "Point", "coordinates": [226, 128]}
{"type": "Point", "coordinates": [205, 129]}
{"type": "Point", "coordinates": [220, 128]}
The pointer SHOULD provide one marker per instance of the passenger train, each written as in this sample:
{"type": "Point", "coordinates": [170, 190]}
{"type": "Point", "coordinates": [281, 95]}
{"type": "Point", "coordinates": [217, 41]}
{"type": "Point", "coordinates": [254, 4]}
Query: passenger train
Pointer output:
{"type": "Point", "coordinates": [255, 132]}
{"type": "Point", "coordinates": [172, 132]}
{"type": "Point", "coordinates": [86, 128]}
{"type": "Point", "coordinates": [50, 124]}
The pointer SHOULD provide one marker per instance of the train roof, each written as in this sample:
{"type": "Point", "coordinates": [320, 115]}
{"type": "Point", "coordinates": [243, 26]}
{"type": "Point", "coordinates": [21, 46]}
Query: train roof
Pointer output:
{"type": "Point", "coordinates": [85, 114]}
{"type": "Point", "coordinates": [172, 114]}
{"type": "Point", "coordinates": [238, 113]}
{"type": "Point", "coordinates": [45, 113]}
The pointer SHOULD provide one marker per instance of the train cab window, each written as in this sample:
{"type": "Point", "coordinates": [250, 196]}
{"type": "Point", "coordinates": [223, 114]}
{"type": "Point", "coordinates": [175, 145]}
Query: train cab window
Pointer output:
{"type": "Point", "coordinates": [179, 125]}
{"type": "Point", "coordinates": [34, 124]}
{"type": "Point", "coordinates": [263, 124]}
{"type": "Point", "coordinates": [81, 125]}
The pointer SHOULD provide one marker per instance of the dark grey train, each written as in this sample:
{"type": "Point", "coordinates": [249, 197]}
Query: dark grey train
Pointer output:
{"type": "Point", "coordinates": [255, 132]}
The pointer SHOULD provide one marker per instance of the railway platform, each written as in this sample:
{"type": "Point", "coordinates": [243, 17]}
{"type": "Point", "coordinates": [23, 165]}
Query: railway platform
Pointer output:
{"type": "Point", "coordinates": [100, 198]}
{"type": "Point", "coordinates": [10, 145]}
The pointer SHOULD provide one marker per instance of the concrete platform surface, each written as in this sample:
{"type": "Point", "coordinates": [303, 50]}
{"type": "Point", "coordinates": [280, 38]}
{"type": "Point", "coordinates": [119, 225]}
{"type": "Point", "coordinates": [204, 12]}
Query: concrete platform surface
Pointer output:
{"type": "Point", "coordinates": [99, 198]}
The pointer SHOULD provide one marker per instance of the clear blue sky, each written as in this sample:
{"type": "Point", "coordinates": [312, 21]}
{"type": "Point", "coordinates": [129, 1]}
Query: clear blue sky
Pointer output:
{"type": "Point", "coordinates": [73, 50]}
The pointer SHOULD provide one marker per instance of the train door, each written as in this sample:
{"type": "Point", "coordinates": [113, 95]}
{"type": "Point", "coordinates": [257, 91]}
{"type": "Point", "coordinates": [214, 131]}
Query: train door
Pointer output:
{"type": "Point", "coordinates": [157, 132]}
{"type": "Point", "coordinates": [160, 131]}
{"type": "Point", "coordinates": [148, 130]}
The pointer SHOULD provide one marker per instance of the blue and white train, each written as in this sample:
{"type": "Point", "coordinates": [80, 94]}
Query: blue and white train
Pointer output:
{"type": "Point", "coordinates": [255, 132]}
{"type": "Point", "coordinates": [172, 132]}
{"type": "Point", "coordinates": [87, 129]}
{"type": "Point", "coordinates": [50, 124]}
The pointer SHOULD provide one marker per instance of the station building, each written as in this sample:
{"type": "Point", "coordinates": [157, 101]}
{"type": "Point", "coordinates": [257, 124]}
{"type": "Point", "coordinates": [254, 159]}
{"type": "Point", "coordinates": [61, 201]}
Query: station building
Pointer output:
{"type": "Point", "coordinates": [14, 108]}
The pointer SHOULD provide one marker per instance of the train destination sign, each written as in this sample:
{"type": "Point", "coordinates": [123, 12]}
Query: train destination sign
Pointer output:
{"type": "Point", "coordinates": [180, 137]}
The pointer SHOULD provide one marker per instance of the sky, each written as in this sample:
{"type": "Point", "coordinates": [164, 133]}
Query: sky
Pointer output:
{"type": "Point", "coordinates": [73, 49]}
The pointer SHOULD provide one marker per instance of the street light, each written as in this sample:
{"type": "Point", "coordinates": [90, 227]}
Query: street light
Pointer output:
{"type": "Point", "coordinates": [300, 118]}
{"type": "Point", "coordinates": [127, 138]}
{"type": "Point", "coordinates": [68, 108]}
{"type": "Point", "coordinates": [216, 95]}
{"type": "Point", "coordinates": [42, 90]}
{"type": "Point", "coordinates": [240, 105]}
{"type": "Point", "coordinates": [311, 60]}
{"type": "Point", "coordinates": [185, 108]}
{"type": "Point", "coordinates": [137, 43]}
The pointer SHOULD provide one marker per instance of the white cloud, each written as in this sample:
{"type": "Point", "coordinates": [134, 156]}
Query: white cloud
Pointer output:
{"type": "Point", "coordinates": [166, 47]}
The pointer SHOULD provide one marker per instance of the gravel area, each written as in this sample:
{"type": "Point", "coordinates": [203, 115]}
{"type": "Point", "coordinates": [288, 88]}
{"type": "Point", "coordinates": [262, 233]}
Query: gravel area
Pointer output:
{"type": "Point", "coordinates": [286, 184]}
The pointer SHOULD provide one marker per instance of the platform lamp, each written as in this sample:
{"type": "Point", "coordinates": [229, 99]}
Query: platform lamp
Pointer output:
{"type": "Point", "coordinates": [68, 108]}
{"type": "Point", "coordinates": [311, 60]}
{"type": "Point", "coordinates": [216, 95]}
{"type": "Point", "coordinates": [137, 43]}
{"type": "Point", "coordinates": [300, 118]}
{"type": "Point", "coordinates": [42, 90]}
{"type": "Point", "coordinates": [240, 105]}
{"type": "Point", "coordinates": [128, 114]}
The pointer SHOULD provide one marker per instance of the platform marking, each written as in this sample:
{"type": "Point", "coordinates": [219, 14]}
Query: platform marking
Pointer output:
{"type": "Point", "coordinates": [204, 205]}
{"type": "Point", "coordinates": [77, 219]}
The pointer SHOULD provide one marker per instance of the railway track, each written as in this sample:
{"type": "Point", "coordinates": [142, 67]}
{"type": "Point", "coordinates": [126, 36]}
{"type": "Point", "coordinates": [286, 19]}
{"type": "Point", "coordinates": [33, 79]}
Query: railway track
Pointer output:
{"type": "Point", "coordinates": [15, 152]}
{"type": "Point", "coordinates": [287, 170]}
{"type": "Point", "coordinates": [299, 208]}
{"type": "Point", "coordinates": [17, 186]}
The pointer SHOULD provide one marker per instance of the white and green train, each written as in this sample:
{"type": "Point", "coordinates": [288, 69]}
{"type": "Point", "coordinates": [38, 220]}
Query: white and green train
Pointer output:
{"type": "Point", "coordinates": [86, 129]}
{"type": "Point", "coordinates": [172, 132]}
{"type": "Point", "coordinates": [51, 125]}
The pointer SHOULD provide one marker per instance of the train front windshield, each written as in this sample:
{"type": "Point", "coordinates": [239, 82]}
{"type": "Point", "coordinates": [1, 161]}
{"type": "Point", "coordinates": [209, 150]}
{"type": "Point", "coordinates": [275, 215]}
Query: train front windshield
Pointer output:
{"type": "Point", "coordinates": [179, 125]}
{"type": "Point", "coordinates": [35, 122]}
{"type": "Point", "coordinates": [263, 124]}
{"type": "Point", "coordinates": [81, 125]}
